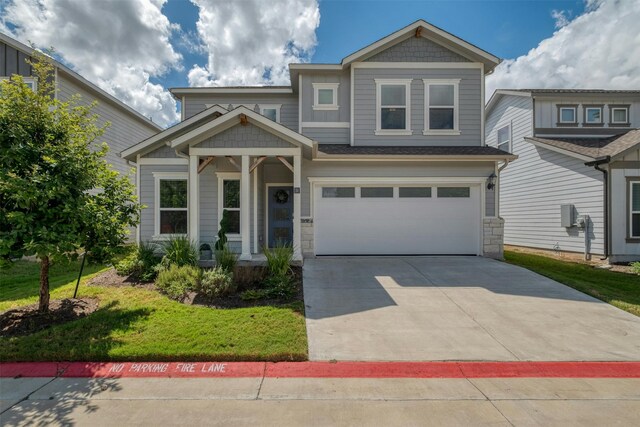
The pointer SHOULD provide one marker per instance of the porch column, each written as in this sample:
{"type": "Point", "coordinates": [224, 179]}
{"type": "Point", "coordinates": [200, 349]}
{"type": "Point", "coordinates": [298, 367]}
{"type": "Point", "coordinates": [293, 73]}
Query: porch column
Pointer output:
{"type": "Point", "coordinates": [194, 204]}
{"type": "Point", "coordinates": [245, 206]}
{"type": "Point", "coordinates": [297, 206]}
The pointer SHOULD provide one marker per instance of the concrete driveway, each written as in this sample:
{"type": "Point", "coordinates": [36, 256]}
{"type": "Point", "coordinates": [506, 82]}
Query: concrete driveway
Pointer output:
{"type": "Point", "coordinates": [455, 308]}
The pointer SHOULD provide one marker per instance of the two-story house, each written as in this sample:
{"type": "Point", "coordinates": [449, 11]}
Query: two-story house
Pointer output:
{"type": "Point", "coordinates": [127, 126]}
{"type": "Point", "coordinates": [576, 183]}
{"type": "Point", "coordinates": [382, 153]}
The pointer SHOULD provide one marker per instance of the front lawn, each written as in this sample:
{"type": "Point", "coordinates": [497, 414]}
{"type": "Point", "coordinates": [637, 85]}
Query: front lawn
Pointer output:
{"type": "Point", "coordinates": [139, 324]}
{"type": "Point", "coordinates": [618, 289]}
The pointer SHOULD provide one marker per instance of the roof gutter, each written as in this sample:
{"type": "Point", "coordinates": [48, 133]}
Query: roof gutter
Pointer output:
{"type": "Point", "coordinates": [596, 165]}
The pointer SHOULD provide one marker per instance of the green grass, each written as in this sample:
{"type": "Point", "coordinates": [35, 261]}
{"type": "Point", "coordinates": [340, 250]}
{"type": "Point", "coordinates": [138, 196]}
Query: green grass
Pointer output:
{"type": "Point", "coordinates": [134, 324]}
{"type": "Point", "coordinates": [618, 289]}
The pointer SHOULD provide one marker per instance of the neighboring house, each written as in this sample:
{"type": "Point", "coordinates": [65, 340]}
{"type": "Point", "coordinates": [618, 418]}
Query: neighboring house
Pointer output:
{"type": "Point", "coordinates": [382, 153]}
{"type": "Point", "coordinates": [578, 156]}
{"type": "Point", "coordinates": [127, 125]}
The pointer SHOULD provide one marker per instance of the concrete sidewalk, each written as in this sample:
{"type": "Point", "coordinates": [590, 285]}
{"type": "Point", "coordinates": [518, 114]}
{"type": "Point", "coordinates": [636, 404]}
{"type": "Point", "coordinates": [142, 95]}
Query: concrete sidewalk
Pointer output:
{"type": "Point", "coordinates": [319, 401]}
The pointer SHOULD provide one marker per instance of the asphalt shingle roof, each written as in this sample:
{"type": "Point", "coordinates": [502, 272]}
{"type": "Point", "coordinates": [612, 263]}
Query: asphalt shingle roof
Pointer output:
{"type": "Point", "coordinates": [342, 149]}
{"type": "Point", "coordinates": [594, 147]}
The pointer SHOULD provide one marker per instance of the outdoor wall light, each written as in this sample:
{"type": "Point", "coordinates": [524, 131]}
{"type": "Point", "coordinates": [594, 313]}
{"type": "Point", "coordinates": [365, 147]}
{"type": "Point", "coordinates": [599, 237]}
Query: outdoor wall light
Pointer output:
{"type": "Point", "coordinates": [491, 181]}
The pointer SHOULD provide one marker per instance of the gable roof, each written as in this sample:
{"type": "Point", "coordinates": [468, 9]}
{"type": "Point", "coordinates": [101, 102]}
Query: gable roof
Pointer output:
{"type": "Point", "coordinates": [82, 81]}
{"type": "Point", "coordinates": [232, 118]}
{"type": "Point", "coordinates": [438, 35]}
{"type": "Point", "coordinates": [591, 148]}
{"type": "Point", "coordinates": [176, 130]}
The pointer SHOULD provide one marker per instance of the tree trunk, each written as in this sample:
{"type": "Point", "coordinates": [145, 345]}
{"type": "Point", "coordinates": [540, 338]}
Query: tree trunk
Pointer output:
{"type": "Point", "coordinates": [44, 285]}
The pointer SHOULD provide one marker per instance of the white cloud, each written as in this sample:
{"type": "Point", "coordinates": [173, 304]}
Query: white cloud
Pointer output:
{"type": "Point", "coordinates": [253, 41]}
{"type": "Point", "coordinates": [561, 17]}
{"type": "Point", "coordinates": [598, 49]}
{"type": "Point", "coordinates": [117, 46]}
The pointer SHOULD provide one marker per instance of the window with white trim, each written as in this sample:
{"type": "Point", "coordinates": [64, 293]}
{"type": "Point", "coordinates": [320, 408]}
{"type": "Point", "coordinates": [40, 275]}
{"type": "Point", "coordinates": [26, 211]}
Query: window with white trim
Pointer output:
{"type": "Point", "coordinates": [171, 198]}
{"type": "Point", "coordinates": [230, 199]}
{"type": "Point", "coordinates": [504, 138]}
{"type": "Point", "coordinates": [634, 209]}
{"type": "Point", "coordinates": [441, 107]}
{"type": "Point", "coordinates": [593, 115]}
{"type": "Point", "coordinates": [31, 82]}
{"type": "Point", "coordinates": [567, 115]}
{"type": "Point", "coordinates": [325, 96]}
{"type": "Point", "coordinates": [271, 111]}
{"type": "Point", "coordinates": [393, 99]}
{"type": "Point", "coordinates": [619, 115]}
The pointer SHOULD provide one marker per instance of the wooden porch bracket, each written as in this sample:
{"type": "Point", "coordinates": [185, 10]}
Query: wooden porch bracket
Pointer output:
{"type": "Point", "coordinates": [256, 163]}
{"type": "Point", "coordinates": [244, 120]}
{"type": "Point", "coordinates": [418, 32]}
{"type": "Point", "coordinates": [233, 162]}
{"type": "Point", "coordinates": [206, 162]}
{"type": "Point", "coordinates": [285, 162]}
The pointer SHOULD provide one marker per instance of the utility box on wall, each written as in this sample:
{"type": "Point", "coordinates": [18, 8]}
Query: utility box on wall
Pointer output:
{"type": "Point", "coordinates": [567, 216]}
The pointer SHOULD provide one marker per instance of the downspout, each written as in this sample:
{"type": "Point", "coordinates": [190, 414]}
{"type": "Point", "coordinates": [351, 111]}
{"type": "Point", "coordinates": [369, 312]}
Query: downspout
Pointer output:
{"type": "Point", "coordinates": [605, 207]}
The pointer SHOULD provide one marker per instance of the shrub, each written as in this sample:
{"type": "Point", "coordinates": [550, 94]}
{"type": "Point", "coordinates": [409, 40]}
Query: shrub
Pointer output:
{"type": "Point", "coordinates": [140, 263]}
{"type": "Point", "coordinates": [279, 259]}
{"type": "Point", "coordinates": [635, 267]}
{"type": "Point", "coordinates": [179, 251]}
{"type": "Point", "coordinates": [177, 281]}
{"type": "Point", "coordinates": [226, 259]}
{"type": "Point", "coordinates": [254, 294]}
{"type": "Point", "coordinates": [221, 243]}
{"type": "Point", "coordinates": [280, 287]}
{"type": "Point", "coordinates": [216, 283]}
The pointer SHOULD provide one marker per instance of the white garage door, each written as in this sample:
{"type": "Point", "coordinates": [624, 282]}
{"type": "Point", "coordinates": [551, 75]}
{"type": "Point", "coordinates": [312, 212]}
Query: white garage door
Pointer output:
{"type": "Point", "coordinates": [397, 220]}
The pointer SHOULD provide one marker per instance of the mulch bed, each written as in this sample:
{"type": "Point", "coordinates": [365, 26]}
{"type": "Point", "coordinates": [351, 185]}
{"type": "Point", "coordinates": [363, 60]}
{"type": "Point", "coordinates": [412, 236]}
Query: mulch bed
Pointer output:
{"type": "Point", "coordinates": [27, 320]}
{"type": "Point", "coordinates": [112, 279]}
{"type": "Point", "coordinates": [234, 301]}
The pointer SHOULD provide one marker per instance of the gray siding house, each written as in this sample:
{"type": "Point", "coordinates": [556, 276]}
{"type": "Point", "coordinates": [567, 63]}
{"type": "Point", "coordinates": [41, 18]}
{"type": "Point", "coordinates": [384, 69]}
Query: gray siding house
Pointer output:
{"type": "Point", "coordinates": [127, 125]}
{"type": "Point", "coordinates": [576, 183]}
{"type": "Point", "coordinates": [382, 153]}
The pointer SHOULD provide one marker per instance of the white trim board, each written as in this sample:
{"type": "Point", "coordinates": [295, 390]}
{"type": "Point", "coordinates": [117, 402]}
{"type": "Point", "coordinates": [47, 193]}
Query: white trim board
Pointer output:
{"type": "Point", "coordinates": [161, 161]}
{"type": "Point", "coordinates": [419, 65]}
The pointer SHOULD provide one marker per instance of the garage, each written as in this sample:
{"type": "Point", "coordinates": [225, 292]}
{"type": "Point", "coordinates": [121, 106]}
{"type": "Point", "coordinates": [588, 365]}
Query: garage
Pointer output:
{"type": "Point", "coordinates": [403, 219]}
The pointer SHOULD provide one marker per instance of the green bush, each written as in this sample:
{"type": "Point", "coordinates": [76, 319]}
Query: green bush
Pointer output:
{"type": "Point", "coordinates": [635, 267]}
{"type": "Point", "coordinates": [140, 263]}
{"type": "Point", "coordinates": [180, 251]}
{"type": "Point", "coordinates": [226, 259]}
{"type": "Point", "coordinates": [177, 281]}
{"type": "Point", "coordinates": [280, 287]}
{"type": "Point", "coordinates": [254, 294]}
{"type": "Point", "coordinates": [279, 259]}
{"type": "Point", "coordinates": [216, 283]}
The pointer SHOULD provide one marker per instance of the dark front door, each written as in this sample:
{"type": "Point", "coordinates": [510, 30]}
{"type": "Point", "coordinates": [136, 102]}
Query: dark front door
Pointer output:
{"type": "Point", "coordinates": [280, 206]}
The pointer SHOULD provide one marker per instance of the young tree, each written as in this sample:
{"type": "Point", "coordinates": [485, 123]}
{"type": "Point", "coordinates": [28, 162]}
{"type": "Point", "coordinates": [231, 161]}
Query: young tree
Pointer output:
{"type": "Point", "coordinates": [58, 195]}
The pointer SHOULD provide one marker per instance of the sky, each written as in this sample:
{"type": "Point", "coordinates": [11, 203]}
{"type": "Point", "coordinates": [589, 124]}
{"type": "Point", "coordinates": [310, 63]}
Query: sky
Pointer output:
{"type": "Point", "coordinates": [138, 49]}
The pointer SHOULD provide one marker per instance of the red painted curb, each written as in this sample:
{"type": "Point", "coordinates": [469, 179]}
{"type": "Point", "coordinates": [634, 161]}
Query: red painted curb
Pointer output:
{"type": "Point", "coordinates": [323, 369]}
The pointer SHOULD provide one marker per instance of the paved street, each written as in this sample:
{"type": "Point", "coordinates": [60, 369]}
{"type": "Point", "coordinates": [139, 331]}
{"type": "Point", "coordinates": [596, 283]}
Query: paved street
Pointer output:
{"type": "Point", "coordinates": [320, 401]}
{"type": "Point", "coordinates": [455, 308]}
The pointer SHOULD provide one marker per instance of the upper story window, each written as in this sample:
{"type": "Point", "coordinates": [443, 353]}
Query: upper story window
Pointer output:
{"type": "Point", "coordinates": [567, 115]}
{"type": "Point", "coordinates": [619, 115]}
{"type": "Point", "coordinates": [171, 203]}
{"type": "Point", "coordinates": [393, 99]}
{"type": "Point", "coordinates": [593, 115]}
{"type": "Point", "coordinates": [504, 138]}
{"type": "Point", "coordinates": [441, 107]}
{"type": "Point", "coordinates": [325, 96]}
{"type": "Point", "coordinates": [31, 82]}
{"type": "Point", "coordinates": [271, 111]}
{"type": "Point", "coordinates": [634, 209]}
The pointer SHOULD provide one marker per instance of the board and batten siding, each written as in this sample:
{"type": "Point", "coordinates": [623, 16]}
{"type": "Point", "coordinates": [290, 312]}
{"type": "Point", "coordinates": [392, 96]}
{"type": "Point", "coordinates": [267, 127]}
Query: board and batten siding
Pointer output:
{"type": "Point", "coordinates": [546, 109]}
{"type": "Point", "coordinates": [193, 104]}
{"type": "Point", "coordinates": [123, 131]}
{"type": "Point", "coordinates": [386, 169]}
{"type": "Point", "coordinates": [470, 106]}
{"type": "Point", "coordinates": [533, 187]}
{"type": "Point", "coordinates": [13, 61]}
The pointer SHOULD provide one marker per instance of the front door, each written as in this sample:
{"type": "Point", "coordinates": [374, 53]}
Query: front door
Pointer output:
{"type": "Point", "coordinates": [280, 208]}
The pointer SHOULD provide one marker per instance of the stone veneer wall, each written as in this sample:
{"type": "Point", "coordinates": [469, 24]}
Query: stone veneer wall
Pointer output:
{"type": "Point", "coordinates": [493, 242]}
{"type": "Point", "coordinates": [306, 229]}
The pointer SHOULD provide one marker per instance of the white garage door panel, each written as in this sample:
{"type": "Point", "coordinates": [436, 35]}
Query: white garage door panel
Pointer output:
{"type": "Point", "coordinates": [397, 226]}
